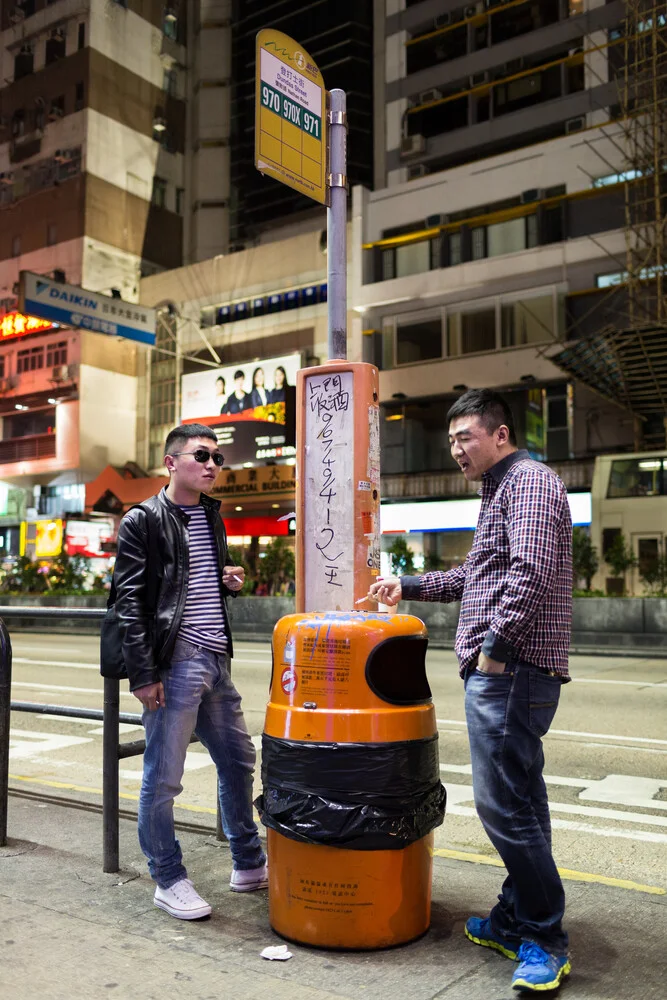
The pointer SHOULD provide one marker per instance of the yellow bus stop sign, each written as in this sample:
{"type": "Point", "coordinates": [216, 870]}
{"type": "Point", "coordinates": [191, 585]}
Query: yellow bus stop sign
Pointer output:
{"type": "Point", "coordinates": [290, 115]}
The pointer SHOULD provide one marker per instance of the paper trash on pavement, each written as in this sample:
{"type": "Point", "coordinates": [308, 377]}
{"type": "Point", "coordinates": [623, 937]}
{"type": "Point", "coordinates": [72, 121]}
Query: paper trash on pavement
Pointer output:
{"type": "Point", "coordinates": [277, 953]}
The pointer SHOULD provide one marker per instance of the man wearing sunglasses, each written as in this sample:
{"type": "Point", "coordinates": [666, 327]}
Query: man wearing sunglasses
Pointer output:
{"type": "Point", "coordinates": [178, 656]}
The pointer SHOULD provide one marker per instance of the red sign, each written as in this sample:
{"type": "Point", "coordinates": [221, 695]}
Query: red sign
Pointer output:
{"type": "Point", "coordinates": [289, 680]}
{"type": "Point", "coordinates": [15, 324]}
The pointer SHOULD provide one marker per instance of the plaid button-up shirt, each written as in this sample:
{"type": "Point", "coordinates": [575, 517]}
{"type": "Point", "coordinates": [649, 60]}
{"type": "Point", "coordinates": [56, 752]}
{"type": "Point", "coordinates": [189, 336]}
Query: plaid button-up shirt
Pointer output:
{"type": "Point", "coordinates": [515, 586]}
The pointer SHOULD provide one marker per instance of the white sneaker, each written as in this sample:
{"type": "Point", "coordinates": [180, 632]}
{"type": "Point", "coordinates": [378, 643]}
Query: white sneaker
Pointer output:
{"type": "Point", "coordinates": [248, 881]}
{"type": "Point", "coordinates": [182, 900]}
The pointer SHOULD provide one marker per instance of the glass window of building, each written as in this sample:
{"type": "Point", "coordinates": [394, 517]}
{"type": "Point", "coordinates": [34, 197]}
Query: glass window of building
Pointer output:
{"type": "Point", "coordinates": [56, 354]}
{"type": "Point", "coordinates": [418, 340]}
{"type": "Point", "coordinates": [638, 477]}
{"type": "Point", "coordinates": [478, 330]}
{"type": "Point", "coordinates": [454, 249]}
{"type": "Point", "coordinates": [413, 259]}
{"type": "Point", "coordinates": [505, 237]}
{"type": "Point", "coordinates": [30, 359]}
{"type": "Point", "coordinates": [478, 243]}
{"type": "Point", "coordinates": [388, 264]}
{"type": "Point", "coordinates": [527, 321]}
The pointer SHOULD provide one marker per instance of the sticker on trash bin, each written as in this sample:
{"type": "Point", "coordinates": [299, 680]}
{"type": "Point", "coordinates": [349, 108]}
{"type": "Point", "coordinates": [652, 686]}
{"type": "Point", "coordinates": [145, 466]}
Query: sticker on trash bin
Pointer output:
{"type": "Point", "coordinates": [289, 652]}
{"type": "Point", "coordinates": [288, 680]}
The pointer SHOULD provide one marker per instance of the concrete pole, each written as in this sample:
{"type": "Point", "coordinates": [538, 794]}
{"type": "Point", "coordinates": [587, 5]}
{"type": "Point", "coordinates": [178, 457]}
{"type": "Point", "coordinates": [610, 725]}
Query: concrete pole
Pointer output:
{"type": "Point", "coordinates": [337, 226]}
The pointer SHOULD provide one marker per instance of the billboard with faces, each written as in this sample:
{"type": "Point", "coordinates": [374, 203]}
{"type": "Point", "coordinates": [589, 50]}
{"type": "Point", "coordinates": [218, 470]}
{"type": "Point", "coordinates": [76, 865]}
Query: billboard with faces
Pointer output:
{"type": "Point", "coordinates": [251, 408]}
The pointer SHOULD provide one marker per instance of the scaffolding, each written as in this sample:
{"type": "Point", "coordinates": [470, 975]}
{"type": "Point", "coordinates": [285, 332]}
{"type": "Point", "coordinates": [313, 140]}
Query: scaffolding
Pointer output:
{"type": "Point", "coordinates": [625, 356]}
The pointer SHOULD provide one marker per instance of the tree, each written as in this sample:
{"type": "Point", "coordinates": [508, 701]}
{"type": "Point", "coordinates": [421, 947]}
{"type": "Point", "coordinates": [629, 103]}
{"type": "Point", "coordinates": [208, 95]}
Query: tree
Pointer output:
{"type": "Point", "coordinates": [620, 558]}
{"type": "Point", "coordinates": [585, 561]}
{"type": "Point", "coordinates": [402, 557]}
{"type": "Point", "coordinates": [277, 565]}
{"type": "Point", "coordinates": [654, 576]}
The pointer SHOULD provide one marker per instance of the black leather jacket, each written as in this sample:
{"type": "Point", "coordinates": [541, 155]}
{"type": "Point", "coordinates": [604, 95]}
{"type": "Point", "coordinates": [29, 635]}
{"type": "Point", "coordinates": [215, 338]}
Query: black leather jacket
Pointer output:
{"type": "Point", "coordinates": [148, 644]}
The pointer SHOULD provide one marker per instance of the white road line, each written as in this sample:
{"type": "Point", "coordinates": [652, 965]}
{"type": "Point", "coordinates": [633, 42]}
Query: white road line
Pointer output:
{"type": "Point", "coordinates": [603, 680]}
{"type": "Point", "coordinates": [574, 732]}
{"type": "Point", "coordinates": [57, 663]}
{"type": "Point", "coordinates": [567, 824]}
{"type": "Point", "coordinates": [65, 687]}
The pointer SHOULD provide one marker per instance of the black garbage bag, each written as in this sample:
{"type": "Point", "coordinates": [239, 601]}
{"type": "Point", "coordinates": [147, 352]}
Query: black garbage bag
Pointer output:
{"type": "Point", "coordinates": [360, 796]}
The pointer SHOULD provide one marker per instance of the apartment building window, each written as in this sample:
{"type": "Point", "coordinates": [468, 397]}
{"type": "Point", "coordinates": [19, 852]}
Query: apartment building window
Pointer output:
{"type": "Point", "coordinates": [180, 200]}
{"type": "Point", "coordinates": [454, 249]}
{"type": "Point", "coordinates": [478, 331]}
{"type": "Point", "coordinates": [505, 237]}
{"type": "Point", "coordinates": [478, 243]}
{"type": "Point", "coordinates": [159, 195]}
{"type": "Point", "coordinates": [527, 321]}
{"type": "Point", "coordinates": [30, 359]}
{"type": "Point", "coordinates": [170, 22]}
{"type": "Point", "coordinates": [55, 46]}
{"type": "Point", "coordinates": [16, 246]}
{"type": "Point", "coordinates": [81, 36]}
{"type": "Point", "coordinates": [79, 96]}
{"type": "Point", "coordinates": [56, 354]}
{"type": "Point", "coordinates": [418, 339]}
{"type": "Point", "coordinates": [169, 82]}
{"type": "Point", "coordinates": [51, 234]}
{"type": "Point", "coordinates": [414, 258]}
{"type": "Point", "coordinates": [3, 368]}
{"type": "Point", "coordinates": [57, 107]}
{"type": "Point", "coordinates": [24, 62]}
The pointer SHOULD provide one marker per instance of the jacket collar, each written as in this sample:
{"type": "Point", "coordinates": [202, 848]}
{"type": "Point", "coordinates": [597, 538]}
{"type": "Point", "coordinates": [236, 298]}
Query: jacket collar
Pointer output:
{"type": "Point", "coordinates": [208, 503]}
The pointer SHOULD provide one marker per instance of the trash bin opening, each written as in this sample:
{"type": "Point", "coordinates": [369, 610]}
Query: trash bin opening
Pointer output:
{"type": "Point", "coordinates": [396, 670]}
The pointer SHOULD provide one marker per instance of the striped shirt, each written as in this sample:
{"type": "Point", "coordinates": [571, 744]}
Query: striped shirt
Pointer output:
{"type": "Point", "coordinates": [515, 586]}
{"type": "Point", "coordinates": [203, 621]}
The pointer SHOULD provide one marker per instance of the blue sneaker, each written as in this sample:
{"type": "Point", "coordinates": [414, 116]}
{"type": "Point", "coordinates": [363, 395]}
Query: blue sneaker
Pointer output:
{"type": "Point", "coordinates": [538, 970]}
{"type": "Point", "coordinates": [479, 931]}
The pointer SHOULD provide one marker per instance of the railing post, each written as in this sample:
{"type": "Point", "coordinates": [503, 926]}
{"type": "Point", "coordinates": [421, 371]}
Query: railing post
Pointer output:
{"type": "Point", "coordinates": [110, 800]}
{"type": "Point", "coordinates": [5, 703]}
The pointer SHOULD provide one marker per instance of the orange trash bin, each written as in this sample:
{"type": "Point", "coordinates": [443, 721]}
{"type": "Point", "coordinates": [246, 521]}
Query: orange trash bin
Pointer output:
{"type": "Point", "coordinates": [351, 784]}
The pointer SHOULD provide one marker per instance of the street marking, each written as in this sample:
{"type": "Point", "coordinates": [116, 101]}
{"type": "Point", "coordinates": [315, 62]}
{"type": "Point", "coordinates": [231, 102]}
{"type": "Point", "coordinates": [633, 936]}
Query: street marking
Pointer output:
{"type": "Point", "coordinates": [604, 680]}
{"type": "Point", "coordinates": [27, 744]}
{"type": "Point", "coordinates": [75, 665]}
{"type": "Point", "coordinates": [565, 873]}
{"type": "Point", "coordinates": [574, 732]}
{"type": "Point", "coordinates": [64, 687]}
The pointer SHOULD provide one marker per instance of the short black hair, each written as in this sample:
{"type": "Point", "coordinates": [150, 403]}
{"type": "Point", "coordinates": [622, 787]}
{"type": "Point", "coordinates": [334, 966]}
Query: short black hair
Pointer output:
{"type": "Point", "coordinates": [486, 404]}
{"type": "Point", "coordinates": [185, 432]}
{"type": "Point", "coordinates": [238, 374]}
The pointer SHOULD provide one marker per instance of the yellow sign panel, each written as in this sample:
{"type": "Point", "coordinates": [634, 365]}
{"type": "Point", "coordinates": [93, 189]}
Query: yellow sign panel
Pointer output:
{"type": "Point", "coordinates": [290, 116]}
{"type": "Point", "coordinates": [48, 539]}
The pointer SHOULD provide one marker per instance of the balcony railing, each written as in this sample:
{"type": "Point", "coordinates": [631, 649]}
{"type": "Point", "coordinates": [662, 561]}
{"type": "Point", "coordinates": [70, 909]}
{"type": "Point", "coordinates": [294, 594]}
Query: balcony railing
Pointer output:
{"type": "Point", "coordinates": [577, 475]}
{"type": "Point", "coordinates": [26, 449]}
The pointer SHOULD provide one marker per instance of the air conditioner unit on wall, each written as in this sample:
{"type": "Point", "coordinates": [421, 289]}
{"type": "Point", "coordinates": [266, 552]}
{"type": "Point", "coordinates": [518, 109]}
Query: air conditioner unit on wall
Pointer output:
{"type": "Point", "coordinates": [412, 145]}
{"type": "Point", "coordinates": [60, 373]}
{"type": "Point", "coordinates": [417, 170]}
{"type": "Point", "coordinates": [575, 124]}
{"type": "Point", "coordinates": [428, 96]}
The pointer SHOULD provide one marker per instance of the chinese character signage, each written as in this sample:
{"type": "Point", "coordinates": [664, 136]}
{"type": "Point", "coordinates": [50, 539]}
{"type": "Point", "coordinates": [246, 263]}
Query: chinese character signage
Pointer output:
{"type": "Point", "coordinates": [251, 408]}
{"type": "Point", "coordinates": [250, 483]}
{"type": "Point", "coordinates": [74, 306]}
{"type": "Point", "coordinates": [15, 324]}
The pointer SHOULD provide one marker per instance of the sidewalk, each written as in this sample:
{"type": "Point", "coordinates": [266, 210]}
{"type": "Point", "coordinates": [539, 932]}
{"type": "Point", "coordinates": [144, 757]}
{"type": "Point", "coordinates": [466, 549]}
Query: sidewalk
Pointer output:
{"type": "Point", "coordinates": [70, 932]}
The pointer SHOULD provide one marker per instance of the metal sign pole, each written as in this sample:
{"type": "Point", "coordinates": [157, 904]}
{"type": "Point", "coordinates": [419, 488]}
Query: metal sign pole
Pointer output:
{"type": "Point", "coordinates": [337, 226]}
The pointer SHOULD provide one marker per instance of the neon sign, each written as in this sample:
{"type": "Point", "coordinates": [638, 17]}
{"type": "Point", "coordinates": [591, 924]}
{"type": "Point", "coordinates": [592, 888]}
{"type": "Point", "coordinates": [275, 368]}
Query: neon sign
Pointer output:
{"type": "Point", "coordinates": [15, 324]}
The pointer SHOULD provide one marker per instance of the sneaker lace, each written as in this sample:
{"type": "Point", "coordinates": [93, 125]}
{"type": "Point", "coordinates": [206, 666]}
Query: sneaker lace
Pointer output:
{"type": "Point", "coordinates": [185, 891]}
{"type": "Point", "coordinates": [532, 954]}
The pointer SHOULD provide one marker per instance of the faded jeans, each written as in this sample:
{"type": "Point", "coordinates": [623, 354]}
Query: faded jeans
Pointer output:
{"type": "Point", "coordinates": [201, 698]}
{"type": "Point", "coordinates": [507, 716]}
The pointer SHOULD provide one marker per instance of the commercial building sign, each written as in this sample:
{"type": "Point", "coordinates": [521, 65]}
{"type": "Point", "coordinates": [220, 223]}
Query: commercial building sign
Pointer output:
{"type": "Point", "coordinates": [48, 539]}
{"type": "Point", "coordinates": [251, 408]}
{"type": "Point", "coordinates": [248, 484]}
{"type": "Point", "coordinates": [16, 324]}
{"type": "Point", "coordinates": [89, 538]}
{"type": "Point", "coordinates": [57, 302]}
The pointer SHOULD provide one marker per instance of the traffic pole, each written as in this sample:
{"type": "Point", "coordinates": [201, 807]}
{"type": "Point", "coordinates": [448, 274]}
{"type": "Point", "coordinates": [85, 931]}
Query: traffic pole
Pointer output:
{"type": "Point", "coordinates": [337, 226]}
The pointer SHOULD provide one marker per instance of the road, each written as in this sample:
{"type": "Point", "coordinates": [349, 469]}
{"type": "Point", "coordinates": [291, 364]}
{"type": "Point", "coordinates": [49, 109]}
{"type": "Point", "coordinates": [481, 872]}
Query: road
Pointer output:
{"type": "Point", "coordinates": [606, 756]}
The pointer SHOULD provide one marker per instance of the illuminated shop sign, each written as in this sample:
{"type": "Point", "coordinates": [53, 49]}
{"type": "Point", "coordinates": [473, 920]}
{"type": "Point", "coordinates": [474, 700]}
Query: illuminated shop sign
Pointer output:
{"type": "Point", "coordinates": [16, 324]}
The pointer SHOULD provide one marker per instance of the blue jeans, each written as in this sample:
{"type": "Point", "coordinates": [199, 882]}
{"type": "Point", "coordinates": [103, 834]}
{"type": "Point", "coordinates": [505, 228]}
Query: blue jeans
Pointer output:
{"type": "Point", "coordinates": [507, 714]}
{"type": "Point", "coordinates": [200, 698]}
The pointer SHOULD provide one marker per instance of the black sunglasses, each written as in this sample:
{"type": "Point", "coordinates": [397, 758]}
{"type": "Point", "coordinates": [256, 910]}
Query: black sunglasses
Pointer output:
{"type": "Point", "coordinates": [202, 455]}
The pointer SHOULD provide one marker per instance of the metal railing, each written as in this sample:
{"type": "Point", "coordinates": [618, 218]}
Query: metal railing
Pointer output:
{"type": "Point", "coordinates": [112, 750]}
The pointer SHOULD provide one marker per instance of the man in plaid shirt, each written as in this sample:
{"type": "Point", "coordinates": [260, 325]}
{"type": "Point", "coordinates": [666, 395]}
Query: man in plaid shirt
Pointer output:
{"type": "Point", "coordinates": [512, 642]}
